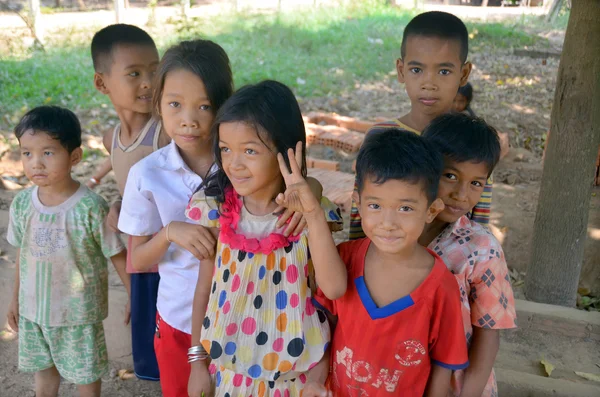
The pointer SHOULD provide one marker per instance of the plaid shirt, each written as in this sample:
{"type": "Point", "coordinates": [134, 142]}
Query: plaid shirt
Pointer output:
{"type": "Point", "coordinates": [477, 261]}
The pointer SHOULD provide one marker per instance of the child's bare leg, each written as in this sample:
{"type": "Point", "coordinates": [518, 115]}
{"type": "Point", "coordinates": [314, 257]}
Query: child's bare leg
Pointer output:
{"type": "Point", "coordinates": [47, 382]}
{"type": "Point", "coordinates": [90, 390]}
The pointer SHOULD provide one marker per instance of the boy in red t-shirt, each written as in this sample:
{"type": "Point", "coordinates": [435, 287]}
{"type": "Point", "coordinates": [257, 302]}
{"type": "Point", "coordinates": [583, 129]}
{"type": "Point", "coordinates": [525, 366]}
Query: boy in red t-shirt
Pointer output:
{"type": "Point", "coordinates": [399, 328]}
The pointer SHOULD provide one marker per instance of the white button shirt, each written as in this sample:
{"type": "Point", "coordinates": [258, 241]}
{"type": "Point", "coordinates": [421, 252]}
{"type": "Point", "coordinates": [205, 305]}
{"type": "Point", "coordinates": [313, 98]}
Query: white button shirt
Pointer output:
{"type": "Point", "coordinates": [157, 192]}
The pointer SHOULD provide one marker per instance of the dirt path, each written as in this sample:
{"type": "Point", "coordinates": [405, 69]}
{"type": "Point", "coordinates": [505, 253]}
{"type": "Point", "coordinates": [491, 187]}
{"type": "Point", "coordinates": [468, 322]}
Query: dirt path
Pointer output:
{"type": "Point", "coordinates": [513, 93]}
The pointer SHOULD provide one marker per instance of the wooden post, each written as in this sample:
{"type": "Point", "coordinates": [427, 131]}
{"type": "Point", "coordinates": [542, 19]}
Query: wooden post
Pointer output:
{"type": "Point", "coordinates": [120, 11]}
{"type": "Point", "coordinates": [35, 15]}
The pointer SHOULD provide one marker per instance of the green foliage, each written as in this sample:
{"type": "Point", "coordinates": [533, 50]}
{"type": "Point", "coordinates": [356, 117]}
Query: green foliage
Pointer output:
{"type": "Point", "coordinates": [317, 52]}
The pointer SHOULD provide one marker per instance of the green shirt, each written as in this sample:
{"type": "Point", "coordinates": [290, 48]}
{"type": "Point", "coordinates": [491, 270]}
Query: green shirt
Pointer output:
{"type": "Point", "coordinates": [63, 272]}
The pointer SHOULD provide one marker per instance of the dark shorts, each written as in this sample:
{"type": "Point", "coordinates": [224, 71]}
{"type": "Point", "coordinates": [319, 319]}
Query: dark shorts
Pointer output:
{"type": "Point", "coordinates": [144, 288]}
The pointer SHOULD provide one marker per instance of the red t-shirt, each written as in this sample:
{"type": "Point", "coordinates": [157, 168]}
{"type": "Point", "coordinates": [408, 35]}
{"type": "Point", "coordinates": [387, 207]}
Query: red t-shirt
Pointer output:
{"type": "Point", "coordinates": [388, 350]}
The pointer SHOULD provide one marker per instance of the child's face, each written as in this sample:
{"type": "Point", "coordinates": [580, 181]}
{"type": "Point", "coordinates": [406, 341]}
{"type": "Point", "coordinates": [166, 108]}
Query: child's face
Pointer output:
{"type": "Point", "coordinates": [128, 83]}
{"type": "Point", "coordinates": [186, 112]}
{"type": "Point", "coordinates": [394, 213]}
{"type": "Point", "coordinates": [432, 72]}
{"type": "Point", "coordinates": [461, 186]}
{"type": "Point", "coordinates": [249, 163]}
{"type": "Point", "coordinates": [460, 103]}
{"type": "Point", "coordinates": [45, 161]}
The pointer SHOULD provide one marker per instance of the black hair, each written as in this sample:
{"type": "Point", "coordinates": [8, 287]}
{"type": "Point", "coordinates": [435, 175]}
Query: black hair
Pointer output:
{"type": "Point", "coordinates": [271, 108]}
{"type": "Point", "coordinates": [59, 123]}
{"type": "Point", "coordinates": [205, 59]}
{"type": "Point", "coordinates": [106, 39]}
{"type": "Point", "coordinates": [438, 24]}
{"type": "Point", "coordinates": [397, 154]}
{"type": "Point", "coordinates": [463, 138]}
{"type": "Point", "coordinates": [467, 91]}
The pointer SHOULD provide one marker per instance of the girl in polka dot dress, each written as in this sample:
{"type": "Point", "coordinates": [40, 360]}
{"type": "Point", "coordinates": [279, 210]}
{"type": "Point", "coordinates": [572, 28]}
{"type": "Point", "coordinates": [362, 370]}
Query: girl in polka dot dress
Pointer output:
{"type": "Point", "coordinates": [254, 316]}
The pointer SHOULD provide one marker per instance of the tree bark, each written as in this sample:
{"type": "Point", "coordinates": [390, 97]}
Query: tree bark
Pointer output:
{"type": "Point", "coordinates": [562, 214]}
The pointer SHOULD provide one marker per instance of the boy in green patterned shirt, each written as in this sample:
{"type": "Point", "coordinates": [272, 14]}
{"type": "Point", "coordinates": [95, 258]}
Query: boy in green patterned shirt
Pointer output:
{"type": "Point", "coordinates": [61, 284]}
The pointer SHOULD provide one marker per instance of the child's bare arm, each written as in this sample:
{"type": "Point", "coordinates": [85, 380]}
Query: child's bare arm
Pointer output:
{"type": "Point", "coordinates": [119, 261]}
{"type": "Point", "coordinates": [146, 250]}
{"type": "Point", "coordinates": [317, 377]}
{"type": "Point", "coordinates": [297, 223]}
{"type": "Point", "coordinates": [13, 310]}
{"type": "Point", "coordinates": [482, 354]}
{"type": "Point", "coordinates": [112, 219]}
{"type": "Point", "coordinates": [199, 381]}
{"type": "Point", "coordinates": [201, 296]}
{"type": "Point", "coordinates": [330, 270]}
{"type": "Point", "coordinates": [107, 140]}
{"type": "Point", "coordinates": [100, 173]}
{"type": "Point", "coordinates": [438, 384]}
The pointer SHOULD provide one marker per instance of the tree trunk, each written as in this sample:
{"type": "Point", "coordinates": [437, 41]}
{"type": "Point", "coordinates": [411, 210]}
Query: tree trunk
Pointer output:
{"type": "Point", "coordinates": [119, 11]}
{"type": "Point", "coordinates": [561, 219]}
{"type": "Point", "coordinates": [35, 15]}
{"type": "Point", "coordinates": [553, 10]}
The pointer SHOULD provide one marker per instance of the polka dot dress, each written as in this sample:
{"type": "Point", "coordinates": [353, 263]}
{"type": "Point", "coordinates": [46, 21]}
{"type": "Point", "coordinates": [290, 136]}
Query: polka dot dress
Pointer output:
{"type": "Point", "coordinates": [262, 330]}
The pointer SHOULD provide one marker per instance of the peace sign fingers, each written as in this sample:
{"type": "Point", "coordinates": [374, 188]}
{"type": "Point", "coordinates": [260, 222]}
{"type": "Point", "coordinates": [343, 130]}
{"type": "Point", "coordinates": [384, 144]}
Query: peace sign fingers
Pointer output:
{"type": "Point", "coordinates": [295, 176]}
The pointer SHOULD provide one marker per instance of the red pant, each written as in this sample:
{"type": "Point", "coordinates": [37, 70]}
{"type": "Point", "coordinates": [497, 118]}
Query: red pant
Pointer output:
{"type": "Point", "coordinates": [171, 347]}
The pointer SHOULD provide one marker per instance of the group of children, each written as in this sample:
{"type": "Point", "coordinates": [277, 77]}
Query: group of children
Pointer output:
{"type": "Point", "coordinates": [236, 285]}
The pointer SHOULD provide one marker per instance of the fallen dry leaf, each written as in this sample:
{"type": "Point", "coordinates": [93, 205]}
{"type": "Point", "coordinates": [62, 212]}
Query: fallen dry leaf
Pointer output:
{"type": "Point", "coordinates": [548, 367]}
{"type": "Point", "coordinates": [592, 377]}
{"type": "Point", "coordinates": [125, 374]}
{"type": "Point", "coordinates": [584, 291]}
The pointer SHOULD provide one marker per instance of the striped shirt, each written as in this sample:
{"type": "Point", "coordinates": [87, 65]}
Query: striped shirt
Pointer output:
{"type": "Point", "coordinates": [62, 263]}
{"type": "Point", "coordinates": [480, 213]}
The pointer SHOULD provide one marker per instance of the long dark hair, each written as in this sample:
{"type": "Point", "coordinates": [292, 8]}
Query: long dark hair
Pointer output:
{"type": "Point", "coordinates": [271, 108]}
{"type": "Point", "coordinates": [205, 59]}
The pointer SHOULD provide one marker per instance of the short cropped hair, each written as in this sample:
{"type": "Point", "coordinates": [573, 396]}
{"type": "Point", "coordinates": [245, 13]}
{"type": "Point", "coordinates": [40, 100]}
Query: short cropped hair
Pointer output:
{"type": "Point", "coordinates": [438, 24]}
{"type": "Point", "coordinates": [59, 123]}
{"type": "Point", "coordinates": [106, 39]}
{"type": "Point", "coordinates": [462, 138]}
{"type": "Point", "coordinates": [397, 154]}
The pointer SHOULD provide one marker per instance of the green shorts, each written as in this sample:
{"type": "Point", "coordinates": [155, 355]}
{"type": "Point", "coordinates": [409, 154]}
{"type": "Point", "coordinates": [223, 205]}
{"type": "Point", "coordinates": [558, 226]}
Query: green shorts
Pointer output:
{"type": "Point", "coordinates": [78, 352]}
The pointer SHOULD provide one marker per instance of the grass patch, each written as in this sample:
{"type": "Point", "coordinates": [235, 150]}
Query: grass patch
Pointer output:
{"type": "Point", "coordinates": [317, 52]}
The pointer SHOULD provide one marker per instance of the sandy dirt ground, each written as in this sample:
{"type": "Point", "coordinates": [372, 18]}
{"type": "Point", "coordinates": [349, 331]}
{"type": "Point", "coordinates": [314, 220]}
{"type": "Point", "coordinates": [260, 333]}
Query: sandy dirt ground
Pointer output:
{"type": "Point", "coordinates": [513, 93]}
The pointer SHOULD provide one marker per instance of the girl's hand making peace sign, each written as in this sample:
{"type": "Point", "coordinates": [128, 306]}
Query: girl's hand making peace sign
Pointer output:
{"type": "Point", "coordinates": [298, 196]}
